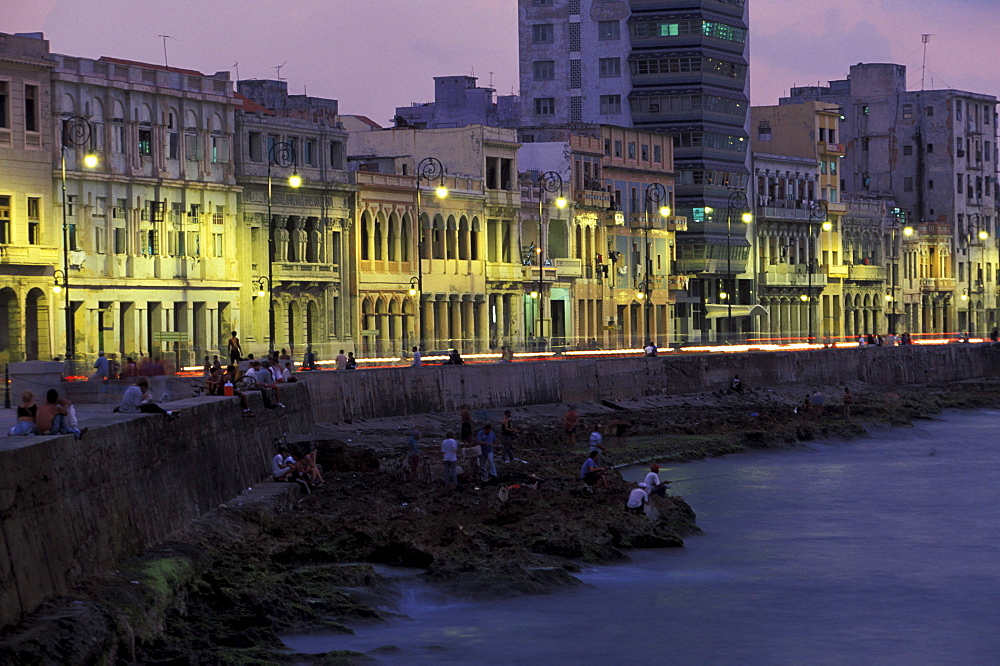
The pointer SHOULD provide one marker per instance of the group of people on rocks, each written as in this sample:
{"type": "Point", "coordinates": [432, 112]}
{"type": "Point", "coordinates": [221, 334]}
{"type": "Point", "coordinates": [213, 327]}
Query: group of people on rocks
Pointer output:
{"type": "Point", "coordinates": [297, 464]}
{"type": "Point", "coordinates": [55, 416]}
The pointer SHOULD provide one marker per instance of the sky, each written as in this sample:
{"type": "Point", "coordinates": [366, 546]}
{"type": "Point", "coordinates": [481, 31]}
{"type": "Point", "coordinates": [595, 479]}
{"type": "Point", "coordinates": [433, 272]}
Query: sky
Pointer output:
{"type": "Point", "coordinates": [375, 55]}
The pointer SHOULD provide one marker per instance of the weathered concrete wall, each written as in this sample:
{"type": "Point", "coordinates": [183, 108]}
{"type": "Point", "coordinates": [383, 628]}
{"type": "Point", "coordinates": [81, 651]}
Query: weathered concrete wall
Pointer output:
{"type": "Point", "coordinates": [401, 391]}
{"type": "Point", "coordinates": [70, 510]}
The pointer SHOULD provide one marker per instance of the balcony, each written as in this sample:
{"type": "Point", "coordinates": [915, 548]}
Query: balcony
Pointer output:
{"type": "Point", "coordinates": [305, 272]}
{"type": "Point", "coordinates": [832, 149]}
{"type": "Point", "coordinates": [614, 218]}
{"type": "Point", "coordinates": [508, 198]}
{"type": "Point", "coordinates": [868, 273]}
{"type": "Point", "coordinates": [592, 198]}
{"type": "Point", "coordinates": [791, 279]}
{"type": "Point", "coordinates": [677, 282]}
{"type": "Point", "coordinates": [569, 268]}
{"type": "Point", "coordinates": [937, 284]}
{"type": "Point", "coordinates": [677, 223]}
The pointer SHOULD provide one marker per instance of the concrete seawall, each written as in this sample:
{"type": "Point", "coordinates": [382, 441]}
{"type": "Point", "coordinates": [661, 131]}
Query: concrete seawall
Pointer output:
{"type": "Point", "coordinates": [401, 391]}
{"type": "Point", "coordinates": [70, 510]}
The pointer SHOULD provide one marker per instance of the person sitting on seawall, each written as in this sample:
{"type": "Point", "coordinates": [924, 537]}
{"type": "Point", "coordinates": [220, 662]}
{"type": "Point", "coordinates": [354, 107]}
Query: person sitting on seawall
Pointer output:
{"type": "Point", "coordinates": [737, 384]}
{"type": "Point", "coordinates": [653, 484]}
{"type": "Point", "coordinates": [637, 500]}
{"type": "Point", "coordinates": [281, 470]}
{"type": "Point", "coordinates": [230, 379]}
{"type": "Point", "coordinates": [250, 383]}
{"type": "Point", "coordinates": [214, 382]}
{"type": "Point", "coordinates": [53, 418]}
{"type": "Point", "coordinates": [266, 379]}
{"type": "Point", "coordinates": [454, 358]}
{"type": "Point", "coordinates": [286, 374]}
{"type": "Point", "coordinates": [352, 363]}
{"type": "Point", "coordinates": [307, 466]}
{"type": "Point", "coordinates": [591, 474]}
{"type": "Point", "coordinates": [650, 349]}
{"type": "Point", "coordinates": [25, 415]}
{"type": "Point", "coordinates": [138, 400]}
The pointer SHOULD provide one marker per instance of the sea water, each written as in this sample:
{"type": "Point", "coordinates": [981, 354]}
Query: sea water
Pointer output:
{"type": "Point", "coordinates": [878, 550]}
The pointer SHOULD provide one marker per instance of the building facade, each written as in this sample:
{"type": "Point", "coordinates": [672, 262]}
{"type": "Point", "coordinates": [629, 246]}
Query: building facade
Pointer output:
{"type": "Point", "coordinates": [297, 259]}
{"type": "Point", "coordinates": [31, 230]}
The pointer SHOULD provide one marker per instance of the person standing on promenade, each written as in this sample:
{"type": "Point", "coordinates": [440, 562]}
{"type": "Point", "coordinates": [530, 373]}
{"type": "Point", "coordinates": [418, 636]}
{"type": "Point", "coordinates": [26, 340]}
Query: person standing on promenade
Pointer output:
{"type": "Point", "coordinates": [485, 438]}
{"type": "Point", "coordinates": [101, 366]}
{"type": "Point", "coordinates": [570, 421]}
{"type": "Point", "coordinates": [341, 360]}
{"type": "Point", "coordinates": [416, 362]}
{"type": "Point", "coordinates": [235, 349]}
{"type": "Point", "coordinates": [507, 434]}
{"type": "Point", "coordinates": [449, 447]}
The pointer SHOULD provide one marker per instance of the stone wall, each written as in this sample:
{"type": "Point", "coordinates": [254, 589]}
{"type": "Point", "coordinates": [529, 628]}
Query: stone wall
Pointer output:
{"type": "Point", "coordinates": [70, 510]}
{"type": "Point", "coordinates": [400, 391]}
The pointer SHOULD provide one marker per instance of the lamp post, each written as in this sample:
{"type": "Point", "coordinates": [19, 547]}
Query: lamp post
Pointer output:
{"type": "Point", "coordinates": [548, 182]}
{"type": "Point", "coordinates": [982, 234]}
{"type": "Point", "coordinates": [429, 169]}
{"type": "Point", "coordinates": [816, 212]}
{"type": "Point", "coordinates": [281, 154]}
{"type": "Point", "coordinates": [738, 201]}
{"type": "Point", "coordinates": [656, 196]}
{"type": "Point", "coordinates": [896, 223]}
{"type": "Point", "coordinates": [76, 132]}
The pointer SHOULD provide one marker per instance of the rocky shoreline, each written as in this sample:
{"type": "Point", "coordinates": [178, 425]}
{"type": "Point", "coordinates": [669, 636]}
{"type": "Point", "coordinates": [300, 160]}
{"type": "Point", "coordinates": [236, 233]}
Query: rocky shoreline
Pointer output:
{"type": "Point", "coordinates": [226, 587]}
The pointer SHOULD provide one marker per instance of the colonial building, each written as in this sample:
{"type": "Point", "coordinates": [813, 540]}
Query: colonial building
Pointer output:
{"type": "Point", "coordinates": [31, 231]}
{"type": "Point", "coordinates": [154, 255]}
{"type": "Point", "coordinates": [298, 268]}
{"type": "Point", "coordinates": [934, 154]}
{"type": "Point", "coordinates": [467, 202]}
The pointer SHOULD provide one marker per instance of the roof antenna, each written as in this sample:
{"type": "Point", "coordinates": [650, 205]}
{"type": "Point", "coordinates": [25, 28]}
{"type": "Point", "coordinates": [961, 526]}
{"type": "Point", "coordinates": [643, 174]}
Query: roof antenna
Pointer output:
{"type": "Point", "coordinates": [278, 69]}
{"type": "Point", "coordinates": [491, 79]}
{"type": "Point", "coordinates": [165, 38]}
{"type": "Point", "coordinates": [236, 65]}
{"type": "Point", "coordinates": [924, 39]}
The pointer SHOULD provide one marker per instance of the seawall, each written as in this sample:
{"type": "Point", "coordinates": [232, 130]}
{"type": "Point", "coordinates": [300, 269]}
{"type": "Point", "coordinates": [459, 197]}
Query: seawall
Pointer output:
{"type": "Point", "coordinates": [71, 510]}
{"type": "Point", "coordinates": [364, 394]}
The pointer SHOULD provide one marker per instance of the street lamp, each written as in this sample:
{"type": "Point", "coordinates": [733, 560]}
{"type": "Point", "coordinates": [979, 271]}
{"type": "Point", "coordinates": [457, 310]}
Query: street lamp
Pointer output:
{"type": "Point", "coordinates": [550, 181]}
{"type": "Point", "coordinates": [281, 154]}
{"type": "Point", "coordinates": [76, 131]}
{"type": "Point", "coordinates": [897, 222]}
{"type": "Point", "coordinates": [656, 197]}
{"type": "Point", "coordinates": [982, 234]}
{"type": "Point", "coordinates": [429, 169]}
{"type": "Point", "coordinates": [817, 211]}
{"type": "Point", "coordinates": [737, 201]}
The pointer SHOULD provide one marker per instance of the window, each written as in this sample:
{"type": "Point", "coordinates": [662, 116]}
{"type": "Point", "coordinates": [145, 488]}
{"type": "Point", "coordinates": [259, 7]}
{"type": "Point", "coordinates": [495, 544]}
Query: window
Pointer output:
{"type": "Point", "coordinates": [611, 104]}
{"type": "Point", "coordinates": [764, 131]}
{"type": "Point", "coordinates": [544, 70]}
{"type": "Point", "coordinates": [958, 109]}
{"type": "Point", "coordinates": [145, 141]}
{"type": "Point", "coordinates": [31, 109]}
{"type": "Point", "coordinates": [631, 150]}
{"type": "Point", "coordinates": [309, 153]}
{"type": "Point", "coordinates": [657, 154]}
{"type": "Point", "coordinates": [930, 147]}
{"type": "Point", "coordinates": [543, 33]}
{"type": "Point", "coordinates": [610, 67]}
{"type": "Point", "coordinates": [607, 147]}
{"type": "Point", "coordinates": [119, 240]}
{"type": "Point", "coordinates": [220, 149]}
{"type": "Point", "coordinates": [194, 213]}
{"type": "Point", "coordinates": [833, 135]}
{"type": "Point", "coordinates": [608, 30]}
{"type": "Point", "coordinates": [192, 148]}
{"type": "Point", "coordinates": [219, 216]}
{"type": "Point", "coordinates": [929, 110]}
{"type": "Point", "coordinates": [907, 111]}
{"type": "Point", "coordinates": [907, 150]}
{"type": "Point", "coordinates": [216, 245]}
{"type": "Point", "coordinates": [930, 184]}
{"type": "Point", "coordinates": [958, 182]}
{"type": "Point", "coordinates": [4, 105]}
{"type": "Point", "coordinates": [644, 152]}
{"type": "Point", "coordinates": [865, 109]}
{"type": "Point", "coordinates": [986, 151]}
{"type": "Point", "coordinates": [822, 134]}
{"type": "Point", "coordinates": [4, 220]}
{"type": "Point", "coordinates": [545, 106]}
{"type": "Point", "coordinates": [618, 148]}
{"type": "Point", "coordinates": [253, 147]}
{"type": "Point", "coordinates": [864, 143]}
{"type": "Point", "coordinates": [35, 222]}
{"type": "Point", "coordinates": [908, 184]}
{"type": "Point", "coordinates": [833, 167]}
{"type": "Point", "coordinates": [118, 135]}
{"type": "Point", "coordinates": [173, 145]}
{"type": "Point", "coordinates": [542, 3]}
{"type": "Point", "coordinates": [99, 240]}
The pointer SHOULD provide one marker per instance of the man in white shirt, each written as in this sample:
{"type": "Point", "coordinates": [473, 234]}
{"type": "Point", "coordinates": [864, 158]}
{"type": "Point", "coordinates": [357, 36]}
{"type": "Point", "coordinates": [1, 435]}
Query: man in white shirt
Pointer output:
{"type": "Point", "coordinates": [653, 483]}
{"type": "Point", "coordinates": [637, 500]}
{"type": "Point", "coordinates": [417, 358]}
{"type": "Point", "coordinates": [280, 467]}
{"type": "Point", "coordinates": [449, 447]}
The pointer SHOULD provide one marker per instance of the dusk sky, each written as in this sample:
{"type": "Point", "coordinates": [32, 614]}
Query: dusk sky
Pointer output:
{"type": "Point", "coordinates": [375, 55]}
